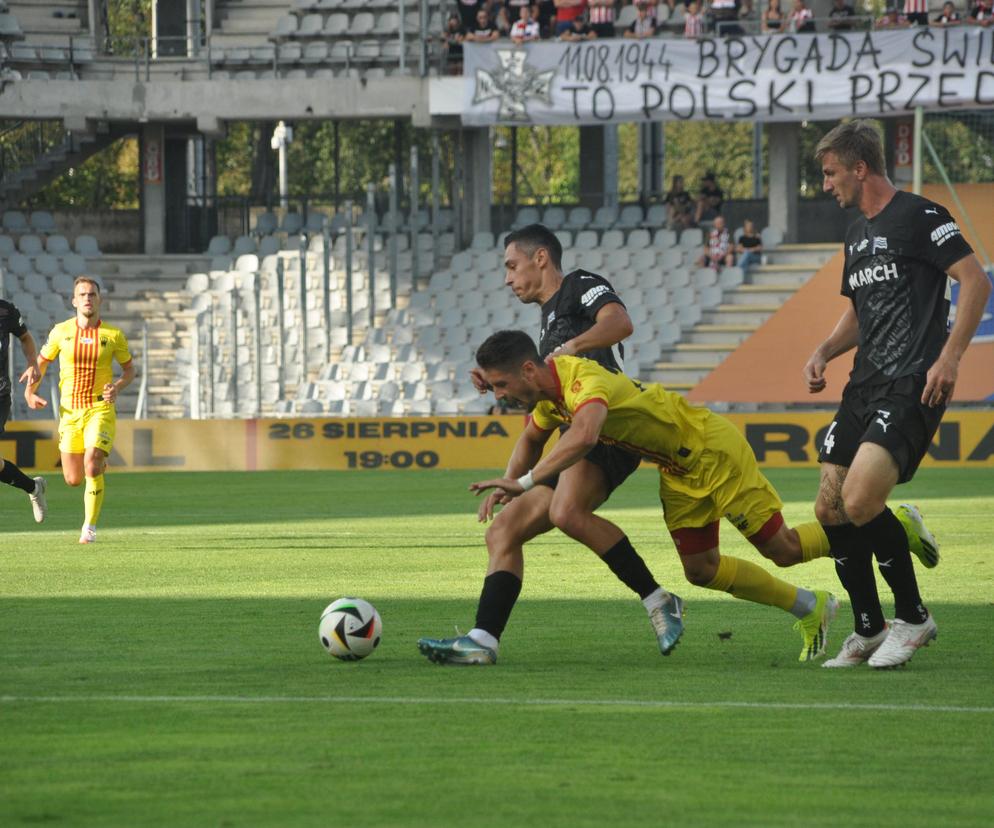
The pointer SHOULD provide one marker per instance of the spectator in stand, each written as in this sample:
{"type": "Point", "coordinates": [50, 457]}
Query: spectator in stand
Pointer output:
{"type": "Point", "coordinates": [546, 16]}
{"type": "Point", "coordinates": [840, 17]}
{"type": "Point", "coordinates": [566, 10]}
{"type": "Point", "coordinates": [467, 12]}
{"type": "Point", "coordinates": [524, 29]}
{"type": "Point", "coordinates": [800, 18]}
{"type": "Point", "coordinates": [512, 10]}
{"type": "Point", "coordinates": [718, 251]}
{"type": "Point", "coordinates": [916, 12]}
{"type": "Point", "coordinates": [948, 16]}
{"type": "Point", "coordinates": [679, 204]}
{"type": "Point", "coordinates": [725, 17]}
{"type": "Point", "coordinates": [693, 22]}
{"type": "Point", "coordinates": [601, 17]}
{"type": "Point", "coordinates": [749, 246]}
{"type": "Point", "coordinates": [746, 13]}
{"type": "Point", "coordinates": [581, 31]}
{"type": "Point", "coordinates": [452, 39]}
{"type": "Point", "coordinates": [642, 26]}
{"type": "Point", "coordinates": [709, 199]}
{"type": "Point", "coordinates": [982, 14]}
{"type": "Point", "coordinates": [483, 30]}
{"type": "Point", "coordinates": [772, 18]}
{"type": "Point", "coordinates": [892, 19]}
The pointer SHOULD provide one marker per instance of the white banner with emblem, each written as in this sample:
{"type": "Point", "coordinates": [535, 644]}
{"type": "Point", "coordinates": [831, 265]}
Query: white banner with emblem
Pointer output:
{"type": "Point", "coordinates": [781, 77]}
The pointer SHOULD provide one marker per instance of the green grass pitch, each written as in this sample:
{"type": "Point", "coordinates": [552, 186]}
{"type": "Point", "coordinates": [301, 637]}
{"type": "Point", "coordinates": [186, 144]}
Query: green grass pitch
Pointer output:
{"type": "Point", "coordinates": [171, 674]}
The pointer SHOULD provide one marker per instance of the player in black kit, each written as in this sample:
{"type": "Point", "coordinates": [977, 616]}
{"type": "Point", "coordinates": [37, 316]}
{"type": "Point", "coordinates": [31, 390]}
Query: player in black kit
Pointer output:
{"type": "Point", "coordinates": [897, 258]}
{"type": "Point", "coordinates": [11, 324]}
{"type": "Point", "coordinates": [581, 315]}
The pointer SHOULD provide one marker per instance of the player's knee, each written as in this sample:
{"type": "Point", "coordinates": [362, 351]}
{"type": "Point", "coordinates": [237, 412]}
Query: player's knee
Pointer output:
{"type": "Point", "coordinates": [825, 514]}
{"type": "Point", "coordinates": [861, 507]}
{"type": "Point", "coordinates": [567, 518]}
{"type": "Point", "coordinates": [698, 572]}
{"type": "Point", "coordinates": [72, 479]}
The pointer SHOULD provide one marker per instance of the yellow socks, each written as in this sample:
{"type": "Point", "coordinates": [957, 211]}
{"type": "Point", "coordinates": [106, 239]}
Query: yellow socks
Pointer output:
{"type": "Point", "coordinates": [750, 582]}
{"type": "Point", "coordinates": [814, 541]}
{"type": "Point", "coordinates": [93, 499]}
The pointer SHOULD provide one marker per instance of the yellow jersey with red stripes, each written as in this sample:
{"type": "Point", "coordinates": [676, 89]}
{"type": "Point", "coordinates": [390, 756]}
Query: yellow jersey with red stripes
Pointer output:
{"type": "Point", "coordinates": [86, 358]}
{"type": "Point", "coordinates": [644, 418]}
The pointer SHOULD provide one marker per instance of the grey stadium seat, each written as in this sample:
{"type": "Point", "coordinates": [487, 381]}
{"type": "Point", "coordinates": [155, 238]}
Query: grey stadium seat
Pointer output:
{"type": "Point", "coordinates": [336, 25]}
{"type": "Point", "coordinates": [286, 26]}
{"type": "Point", "coordinates": [14, 220]}
{"type": "Point", "coordinates": [362, 24]}
{"type": "Point", "coordinates": [87, 246]}
{"type": "Point", "coordinates": [57, 245]}
{"type": "Point", "coordinates": [42, 222]}
{"type": "Point", "coordinates": [554, 217]}
{"type": "Point", "coordinates": [579, 218]}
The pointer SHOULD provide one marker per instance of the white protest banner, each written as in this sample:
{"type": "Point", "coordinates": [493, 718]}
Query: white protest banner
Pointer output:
{"type": "Point", "coordinates": [781, 77]}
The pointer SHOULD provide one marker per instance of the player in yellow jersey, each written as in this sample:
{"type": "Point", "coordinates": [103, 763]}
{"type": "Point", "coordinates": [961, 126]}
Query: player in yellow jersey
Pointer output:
{"type": "Point", "coordinates": [86, 348]}
{"type": "Point", "coordinates": [706, 470]}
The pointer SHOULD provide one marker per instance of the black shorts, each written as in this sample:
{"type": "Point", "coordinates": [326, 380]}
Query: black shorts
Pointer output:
{"type": "Point", "coordinates": [4, 412]}
{"type": "Point", "coordinates": [889, 414]}
{"type": "Point", "coordinates": [617, 465]}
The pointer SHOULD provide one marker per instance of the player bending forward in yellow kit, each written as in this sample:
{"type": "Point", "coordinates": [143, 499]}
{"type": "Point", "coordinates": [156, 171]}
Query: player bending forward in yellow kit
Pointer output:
{"type": "Point", "coordinates": [86, 348]}
{"type": "Point", "coordinates": [706, 470]}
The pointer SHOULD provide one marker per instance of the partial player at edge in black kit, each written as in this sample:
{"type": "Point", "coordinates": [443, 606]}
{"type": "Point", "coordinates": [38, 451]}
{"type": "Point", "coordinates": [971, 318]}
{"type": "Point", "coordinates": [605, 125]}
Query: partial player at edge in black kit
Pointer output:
{"type": "Point", "coordinates": [897, 258]}
{"type": "Point", "coordinates": [12, 324]}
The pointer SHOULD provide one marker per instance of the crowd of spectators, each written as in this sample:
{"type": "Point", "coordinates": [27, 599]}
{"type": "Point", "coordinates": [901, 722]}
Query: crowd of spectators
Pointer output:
{"type": "Point", "coordinates": [523, 21]}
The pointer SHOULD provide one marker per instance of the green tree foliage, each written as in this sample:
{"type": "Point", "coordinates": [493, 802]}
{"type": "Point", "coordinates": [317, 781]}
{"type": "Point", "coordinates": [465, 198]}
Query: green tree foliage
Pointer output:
{"type": "Point", "coordinates": [695, 147]}
{"type": "Point", "coordinates": [128, 23]}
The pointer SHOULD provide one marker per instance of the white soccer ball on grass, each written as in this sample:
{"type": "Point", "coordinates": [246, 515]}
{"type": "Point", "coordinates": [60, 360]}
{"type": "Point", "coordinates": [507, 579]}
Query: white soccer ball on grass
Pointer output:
{"type": "Point", "coordinates": [350, 628]}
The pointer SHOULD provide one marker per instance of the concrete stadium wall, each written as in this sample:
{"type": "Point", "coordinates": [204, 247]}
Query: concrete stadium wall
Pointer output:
{"type": "Point", "coordinates": [117, 231]}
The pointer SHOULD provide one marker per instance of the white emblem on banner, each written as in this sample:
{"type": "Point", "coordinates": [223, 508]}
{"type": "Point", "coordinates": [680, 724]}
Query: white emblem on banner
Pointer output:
{"type": "Point", "coordinates": [514, 83]}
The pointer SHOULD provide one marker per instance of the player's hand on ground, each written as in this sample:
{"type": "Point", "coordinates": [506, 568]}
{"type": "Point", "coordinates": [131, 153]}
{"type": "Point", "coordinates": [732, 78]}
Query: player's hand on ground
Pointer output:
{"type": "Point", "coordinates": [33, 400]}
{"type": "Point", "coordinates": [479, 383]}
{"type": "Point", "coordinates": [940, 382]}
{"type": "Point", "coordinates": [110, 392]}
{"type": "Point", "coordinates": [31, 375]}
{"type": "Point", "coordinates": [498, 497]}
{"type": "Point", "coordinates": [511, 488]}
{"type": "Point", "coordinates": [814, 374]}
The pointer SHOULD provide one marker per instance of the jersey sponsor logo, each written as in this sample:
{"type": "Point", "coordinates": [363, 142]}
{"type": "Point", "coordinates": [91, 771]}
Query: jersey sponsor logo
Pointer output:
{"type": "Point", "coordinates": [944, 232]}
{"type": "Point", "coordinates": [591, 295]}
{"type": "Point", "coordinates": [871, 274]}
{"type": "Point", "coordinates": [87, 340]}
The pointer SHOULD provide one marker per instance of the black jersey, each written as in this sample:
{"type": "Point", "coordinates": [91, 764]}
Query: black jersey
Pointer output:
{"type": "Point", "coordinates": [10, 323]}
{"type": "Point", "coordinates": [895, 275]}
{"type": "Point", "coordinates": [573, 309]}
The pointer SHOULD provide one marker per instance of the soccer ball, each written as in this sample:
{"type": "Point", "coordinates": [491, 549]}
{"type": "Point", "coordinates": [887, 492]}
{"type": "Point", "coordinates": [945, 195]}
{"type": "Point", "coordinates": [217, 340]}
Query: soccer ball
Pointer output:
{"type": "Point", "coordinates": [350, 628]}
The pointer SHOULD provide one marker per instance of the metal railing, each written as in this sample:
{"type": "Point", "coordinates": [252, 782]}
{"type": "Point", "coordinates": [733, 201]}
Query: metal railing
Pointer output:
{"type": "Point", "coordinates": [23, 143]}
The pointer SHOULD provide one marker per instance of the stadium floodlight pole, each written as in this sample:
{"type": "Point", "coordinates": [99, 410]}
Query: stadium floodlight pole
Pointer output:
{"type": "Point", "coordinates": [257, 334]}
{"type": "Point", "coordinates": [326, 286]}
{"type": "Point", "coordinates": [281, 325]}
{"type": "Point", "coordinates": [916, 151]}
{"type": "Point", "coordinates": [348, 269]}
{"type": "Point", "coordinates": [435, 173]}
{"type": "Point", "coordinates": [401, 8]}
{"type": "Point", "coordinates": [303, 307]}
{"type": "Point", "coordinates": [394, 231]}
{"type": "Point", "coordinates": [371, 250]}
{"type": "Point", "coordinates": [282, 136]}
{"type": "Point", "coordinates": [415, 209]}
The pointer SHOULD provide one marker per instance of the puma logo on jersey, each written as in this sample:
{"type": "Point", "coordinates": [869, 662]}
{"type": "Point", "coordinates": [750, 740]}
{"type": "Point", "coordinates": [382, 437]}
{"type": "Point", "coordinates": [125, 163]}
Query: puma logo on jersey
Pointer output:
{"type": "Point", "coordinates": [931, 211]}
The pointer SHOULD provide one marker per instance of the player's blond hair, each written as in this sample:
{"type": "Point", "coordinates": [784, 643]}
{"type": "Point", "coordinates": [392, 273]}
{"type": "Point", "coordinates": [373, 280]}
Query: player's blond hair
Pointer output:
{"type": "Point", "coordinates": [852, 142]}
{"type": "Point", "coordinates": [85, 280]}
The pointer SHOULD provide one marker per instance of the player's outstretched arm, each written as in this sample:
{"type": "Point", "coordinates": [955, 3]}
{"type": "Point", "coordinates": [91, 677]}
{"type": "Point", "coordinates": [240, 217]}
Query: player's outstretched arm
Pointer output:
{"type": "Point", "coordinates": [974, 290]}
{"type": "Point", "coordinates": [612, 324]}
{"type": "Point", "coordinates": [843, 338]}
{"type": "Point", "coordinates": [527, 452]}
{"type": "Point", "coordinates": [30, 375]}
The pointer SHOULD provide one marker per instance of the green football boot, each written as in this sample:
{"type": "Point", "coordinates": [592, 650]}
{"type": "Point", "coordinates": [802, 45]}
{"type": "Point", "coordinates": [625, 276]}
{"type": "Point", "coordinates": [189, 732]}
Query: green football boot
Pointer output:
{"type": "Point", "coordinates": [920, 540]}
{"type": "Point", "coordinates": [461, 650]}
{"type": "Point", "coordinates": [667, 621]}
{"type": "Point", "coordinates": [814, 626]}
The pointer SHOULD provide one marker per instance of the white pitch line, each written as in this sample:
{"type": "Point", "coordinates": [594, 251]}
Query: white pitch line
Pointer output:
{"type": "Point", "coordinates": [414, 701]}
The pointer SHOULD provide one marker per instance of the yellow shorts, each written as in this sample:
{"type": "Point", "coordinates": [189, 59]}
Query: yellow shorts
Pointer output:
{"type": "Point", "coordinates": [86, 428]}
{"type": "Point", "coordinates": [725, 482]}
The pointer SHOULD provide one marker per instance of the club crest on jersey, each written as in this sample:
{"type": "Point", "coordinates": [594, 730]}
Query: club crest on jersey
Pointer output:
{"type": "Point", "coordinates": [859, 248]}
{"type": "Point", "coordinates": [576, 386]}
{"type": "Point", "coordinates": [103, 342]}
